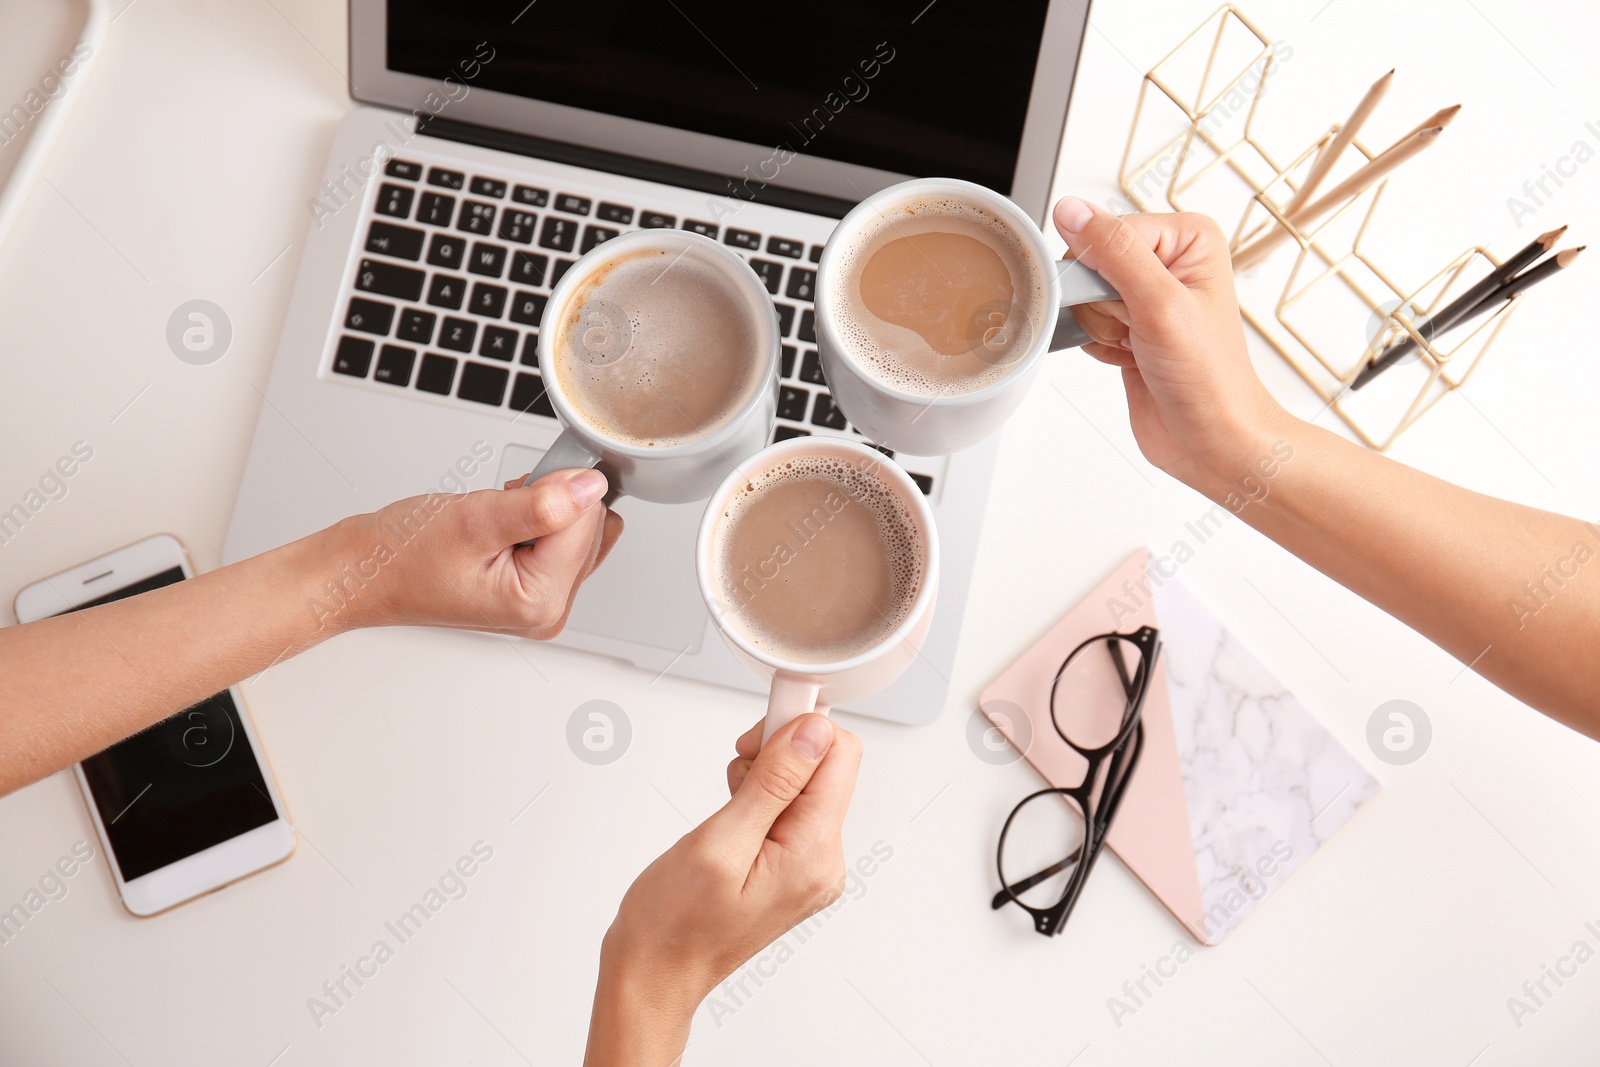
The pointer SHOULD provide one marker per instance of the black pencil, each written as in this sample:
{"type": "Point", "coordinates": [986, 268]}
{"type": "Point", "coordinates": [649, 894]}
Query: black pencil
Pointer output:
{"type": "Point", "coordinates": [1447, 316]}
{"type": "Point", "coordinates": [1507, 289]}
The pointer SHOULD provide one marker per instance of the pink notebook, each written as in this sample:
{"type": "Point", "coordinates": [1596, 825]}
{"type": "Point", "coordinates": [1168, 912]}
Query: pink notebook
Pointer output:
{"type": "Point", "coordinates": [1238, 784]}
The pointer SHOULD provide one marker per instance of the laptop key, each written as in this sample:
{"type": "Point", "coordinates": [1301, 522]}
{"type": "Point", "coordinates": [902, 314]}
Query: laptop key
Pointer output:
{"type": "Point", "coordinates": [572, 205]}
{"type": "Point", "coordinates": [924, 482]}
{"type": "Point", "coordinates": [770, 273]}
{"type": "Point", "coordinates": [488, 300]}
{"type": "Point", "coordinates": [558, 234]}
{"type": "Point", "coordinates": [742, 239]}
{"type": "Point", "coordinates": [811, 368]}
{"type": "Point", "coordinates": [416, 326]}
{"type": "Point", "coordinates": [437, 375]}
{"type": "Point", "coordinates": [826, 413]}
{"type": "Point", "coordinates": [489, 187]}
{"type": "Point", "coordinates": [400, 168]}
{"type": "Point", "coordinates": [783, 433]}
{"type": "Point", "coordinates": [518, 226]}
{"type": "Point", "coordinates": [596, 235]}
{"type": "Point", "coordinates": [704, 229]}
{"type": "Point", "coordinates": [528, 395]}
{"type": "Point", "coordinates": [616, 213]}
{"type": "Point", "coordinates": [526, 194]}
{"type": "Point", "coordinates": [458, 334]}
{"type": "Point", "coordinates": [488, 260]}
{"type": "Point", "coordinates": [447, 292]}
{"type": "Point", "coordinates": [389, 279]}
{"type": "Point", "coordinates": [560, 271]}
{"type": "Point", "coordinates": [476, 217]}
{"type": "Point", "coordinates": [483, 383]}
{"type": "Point", "coordinates": [802, 284]}
{"type": "Point", "coordinates": [530, 349]}
{"type": "Point", "coordinates": [529, 267]}
{"type": "Point", "coordinates": [816, 254]}
{"type": "Point", "coordinates": [782, 246]}
{"type": "Point", "coordinates": [402, 242]}
{"type": "Point", "coordinates": [655, 220]}
{"type": "Point", "coordinates": [447, 250]}
{"type": "Point", "coordinates": [785, 319]}
{"type": "Point", "coordinates": [394, 365]}
{"type": "Point", "coordinates": [789, 354]}
{"type": "Point", "coordinates": [369, 316]}
{"type": "Point", "coordinates": [436, 209]}
{"type": "Point", "coordinates": [449, 179]}
{"type": "Point", "coordinates": [528, 308]}
{"type": "Point", "coordinates": [792, 403]}
{"type": "Point", "coordinates": [499, 343]}
{"type": "Point", "coordinates": [353, 356]}
{"type": "Point", "coordinates": [808, 327]}
{"type": "Point", "coordinates": [395, 200]}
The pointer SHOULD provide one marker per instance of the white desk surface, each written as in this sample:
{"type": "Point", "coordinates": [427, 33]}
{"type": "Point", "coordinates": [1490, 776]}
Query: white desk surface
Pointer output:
{"type": "Point", "coordinates": [185, 175]}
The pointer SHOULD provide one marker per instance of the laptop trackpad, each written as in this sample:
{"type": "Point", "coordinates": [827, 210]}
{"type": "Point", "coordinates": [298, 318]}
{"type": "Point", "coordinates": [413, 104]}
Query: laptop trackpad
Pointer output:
{"type": "Point", "coordinates": [645, 591]}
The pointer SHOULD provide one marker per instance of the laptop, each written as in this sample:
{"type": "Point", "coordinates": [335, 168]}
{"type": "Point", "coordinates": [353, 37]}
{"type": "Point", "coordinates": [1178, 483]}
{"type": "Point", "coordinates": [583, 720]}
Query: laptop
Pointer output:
{"type": "Point", "coordinates": [495, 143]}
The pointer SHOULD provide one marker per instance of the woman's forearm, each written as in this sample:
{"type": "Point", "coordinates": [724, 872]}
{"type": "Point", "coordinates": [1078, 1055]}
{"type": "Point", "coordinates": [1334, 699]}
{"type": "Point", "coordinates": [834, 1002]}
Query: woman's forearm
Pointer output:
{"type": "Point", "coordinates": [72, 685]}
{"type": "Point", "coordinates": [1498, 585]}
{"type": "Point", "coordinates": [637, 1021]}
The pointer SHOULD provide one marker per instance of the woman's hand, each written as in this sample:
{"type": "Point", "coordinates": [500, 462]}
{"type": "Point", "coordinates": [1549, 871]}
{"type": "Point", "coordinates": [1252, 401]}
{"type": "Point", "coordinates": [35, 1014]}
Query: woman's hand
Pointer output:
{"type": "Point", "coordinates": [769, 859]}
{"type": "Point", "coordinates": [452, 560]}
{"type": "Point", "coordinates": [1199, 411]}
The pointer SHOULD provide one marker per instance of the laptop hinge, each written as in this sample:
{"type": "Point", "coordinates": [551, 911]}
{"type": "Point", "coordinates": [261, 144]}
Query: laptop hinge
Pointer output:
{"type": "Point", "coordinates": [630, 166]}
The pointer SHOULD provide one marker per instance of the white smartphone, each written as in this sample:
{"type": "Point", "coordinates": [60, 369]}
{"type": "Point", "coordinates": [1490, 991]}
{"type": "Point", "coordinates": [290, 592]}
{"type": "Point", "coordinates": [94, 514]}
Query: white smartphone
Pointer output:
{"type": "Point", "coordinates": [186, 806]}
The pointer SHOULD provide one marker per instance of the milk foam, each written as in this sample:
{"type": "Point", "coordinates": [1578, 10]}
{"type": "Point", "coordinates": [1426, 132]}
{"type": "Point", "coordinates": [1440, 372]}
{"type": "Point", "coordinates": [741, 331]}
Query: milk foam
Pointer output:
{"type": "Point", "coordinates": [879, 347]}
{"type": "Point", "coordinates": [679, 349]}
{"type": "Point", "coordinates": [899, 540]}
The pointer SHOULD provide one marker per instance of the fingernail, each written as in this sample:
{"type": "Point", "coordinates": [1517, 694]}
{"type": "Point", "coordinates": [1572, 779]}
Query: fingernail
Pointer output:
{"type": "Point", "coordinates": [587, 487]}
{"type": "Point", "coordinates": [813, 737]}
{"type": "Point", "coordinates": [1074, 214]}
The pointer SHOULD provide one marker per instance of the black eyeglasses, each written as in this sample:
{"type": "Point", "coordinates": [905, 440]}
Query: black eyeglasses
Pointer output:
{"type": "Point", "coordinates": [1105, 675]}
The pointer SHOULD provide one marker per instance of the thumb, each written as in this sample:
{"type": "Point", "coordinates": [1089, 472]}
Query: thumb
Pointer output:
{"type": "Point", "coordinates": [1114, 250]}
{"type": "Point", "coordinates": [780, 773]}
{"type": "Point", "coordinates": [553, 503]}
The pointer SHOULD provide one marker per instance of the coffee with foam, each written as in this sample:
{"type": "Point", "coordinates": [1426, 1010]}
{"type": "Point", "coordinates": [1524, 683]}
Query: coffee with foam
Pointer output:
{"type": "Point", "coordinates": [937, 297]}
{"type": "Point", "coordinates": [658, 348]}
{"type": "Point", "coordinates": [818, 559]}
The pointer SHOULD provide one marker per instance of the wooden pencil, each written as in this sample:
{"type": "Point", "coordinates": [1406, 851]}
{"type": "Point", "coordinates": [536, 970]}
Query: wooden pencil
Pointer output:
{"type": "Point", "coordinates": [1341, 140]}
{"type": "Point", "coordinates": [1372, 172]}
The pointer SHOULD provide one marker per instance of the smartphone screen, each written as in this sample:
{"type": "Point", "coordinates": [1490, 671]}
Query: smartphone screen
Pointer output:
{"type": "Point", "coordinates": [188, 782]}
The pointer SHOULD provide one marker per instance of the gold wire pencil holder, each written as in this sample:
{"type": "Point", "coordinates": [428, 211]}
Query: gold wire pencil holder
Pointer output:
{"type": "Point", "coordinates": [1214, 161]}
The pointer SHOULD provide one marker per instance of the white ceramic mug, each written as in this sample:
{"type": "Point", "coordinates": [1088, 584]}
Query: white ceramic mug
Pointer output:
{"type": "Point", "coordinates": [801, 687]}
{"type": "Point", "coordinates": [678, 473]}
{"type": "Point", "coordinates": [921, 425]}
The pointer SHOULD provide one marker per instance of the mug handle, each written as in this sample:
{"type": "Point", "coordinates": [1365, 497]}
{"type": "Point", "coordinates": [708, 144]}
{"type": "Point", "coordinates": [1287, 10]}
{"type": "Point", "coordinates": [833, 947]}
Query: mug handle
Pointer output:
{"type": "Point", "coordinates": [1079, 285]}
{"type": "Point", "coordinates": [792, 696]}
{"type": "Point", "coordinates": [565, 453]}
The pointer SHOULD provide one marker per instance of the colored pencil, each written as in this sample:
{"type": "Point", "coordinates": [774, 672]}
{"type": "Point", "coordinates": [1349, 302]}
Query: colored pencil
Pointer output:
{"type": "Point", "coordinates": [1508, 289]}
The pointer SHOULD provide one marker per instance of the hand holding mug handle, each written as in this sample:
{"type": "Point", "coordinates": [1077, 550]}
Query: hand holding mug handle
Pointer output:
{"type": "Point", "coordinates": [792, 696]}
{"type": "Point", "coordinates": [566, 453]}
{"type": "Point", "coordinates": [1079, 285]}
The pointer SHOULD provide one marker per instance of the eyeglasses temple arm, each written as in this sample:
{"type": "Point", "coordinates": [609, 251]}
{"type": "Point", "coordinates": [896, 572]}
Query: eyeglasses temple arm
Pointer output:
{"type": "Point", "coordinates": [1002, 898]}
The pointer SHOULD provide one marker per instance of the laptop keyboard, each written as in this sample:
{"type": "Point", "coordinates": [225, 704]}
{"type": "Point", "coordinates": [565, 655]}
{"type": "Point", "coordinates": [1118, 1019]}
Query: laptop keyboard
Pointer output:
{"type": "Point", "coordinates": [455, 270]}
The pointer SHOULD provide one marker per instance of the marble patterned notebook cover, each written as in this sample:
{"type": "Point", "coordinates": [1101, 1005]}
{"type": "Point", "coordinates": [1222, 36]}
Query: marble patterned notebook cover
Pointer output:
{"type": "Point", "coordinates": [1238, 784]}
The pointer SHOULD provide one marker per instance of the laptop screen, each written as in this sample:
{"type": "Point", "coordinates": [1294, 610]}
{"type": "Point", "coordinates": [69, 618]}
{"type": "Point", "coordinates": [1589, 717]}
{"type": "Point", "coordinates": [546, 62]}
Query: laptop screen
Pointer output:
{"type": "Point", "coordinates": [913, 87]}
